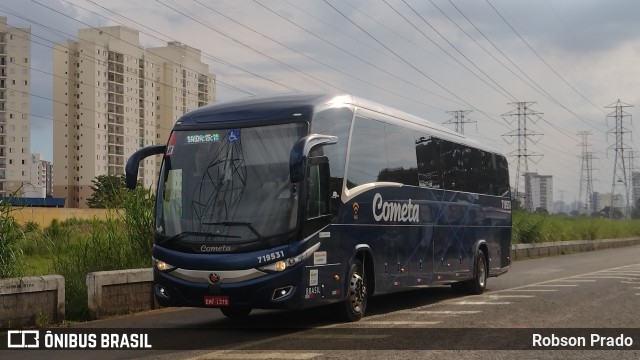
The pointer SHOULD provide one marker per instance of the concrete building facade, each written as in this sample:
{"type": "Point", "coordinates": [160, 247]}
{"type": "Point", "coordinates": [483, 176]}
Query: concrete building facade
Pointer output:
{"type": "Point", "coordinates": [39, 176]}
{"type": "Point", "coordinates": [15, 107]}
{"type": "Point", "coordinates": [113, 98]}
{"type": "Point", "coordinates": [538, 191]}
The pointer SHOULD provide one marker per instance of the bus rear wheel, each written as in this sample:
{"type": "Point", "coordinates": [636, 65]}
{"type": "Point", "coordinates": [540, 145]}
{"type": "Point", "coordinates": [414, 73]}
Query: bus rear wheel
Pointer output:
{"type": "Point", "coordinates": [355, 304]}
{"type": "Point", "coordinates": [236, 312]}
{"type": "Point", "coordinates": [477, 285]}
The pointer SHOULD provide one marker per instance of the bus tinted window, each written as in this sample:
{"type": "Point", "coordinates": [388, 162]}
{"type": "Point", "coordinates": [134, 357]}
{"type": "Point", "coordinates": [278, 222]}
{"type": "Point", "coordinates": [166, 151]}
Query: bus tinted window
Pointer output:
{"type": "Point", "coordinates": [381, 152]}
{"type": "Point", "coordinates": [367, 156]}
{"type": "Point", "coordinates": [429, 161]}
{"type": "Point", "coordinates": [401, 163]}
{"type": "Point", "coordinates": [336, 122]}
{"type": "Point", "coordinates": [502, 175]}
{"type": "Point", "coordinates": [455, 160]}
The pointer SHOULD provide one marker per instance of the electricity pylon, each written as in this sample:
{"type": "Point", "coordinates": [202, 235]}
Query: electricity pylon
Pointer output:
{"type": "Point", "coordinates": [523, 113]}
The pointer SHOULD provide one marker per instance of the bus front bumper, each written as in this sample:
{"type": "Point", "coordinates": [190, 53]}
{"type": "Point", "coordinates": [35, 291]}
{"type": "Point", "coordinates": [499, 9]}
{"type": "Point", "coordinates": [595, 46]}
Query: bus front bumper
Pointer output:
{"type": "Point", "coordinates": [229, 288]}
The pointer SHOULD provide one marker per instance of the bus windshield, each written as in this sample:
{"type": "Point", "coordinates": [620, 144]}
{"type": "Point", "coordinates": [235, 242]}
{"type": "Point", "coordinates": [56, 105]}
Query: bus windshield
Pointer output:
{"type": "Point", "coordinates": [222, 189]}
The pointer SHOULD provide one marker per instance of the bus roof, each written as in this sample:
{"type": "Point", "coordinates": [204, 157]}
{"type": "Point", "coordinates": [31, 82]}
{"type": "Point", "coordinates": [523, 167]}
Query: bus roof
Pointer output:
{"type": "Point", "coordinates": [269, 108]}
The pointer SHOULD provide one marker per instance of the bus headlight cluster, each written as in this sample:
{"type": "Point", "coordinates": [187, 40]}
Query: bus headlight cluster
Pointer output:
{"type": "Point", "coordinates": [162, 266]}
{"type": "Point", "coordinates": [290, 262]}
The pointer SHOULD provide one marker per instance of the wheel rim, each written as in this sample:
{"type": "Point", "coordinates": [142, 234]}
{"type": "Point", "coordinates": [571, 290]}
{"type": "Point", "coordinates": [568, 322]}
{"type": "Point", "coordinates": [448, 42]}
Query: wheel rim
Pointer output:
{"type": "Point", "coordinates": [482, 275]}
{"type": "Point", "coordinates": [357, 292]}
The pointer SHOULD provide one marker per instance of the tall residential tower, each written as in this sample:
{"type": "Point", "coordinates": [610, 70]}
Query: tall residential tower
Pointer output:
{"type": "Point", "coordinates": [15, 65]}
{"type": "Point", "coordinates": [112, 98]}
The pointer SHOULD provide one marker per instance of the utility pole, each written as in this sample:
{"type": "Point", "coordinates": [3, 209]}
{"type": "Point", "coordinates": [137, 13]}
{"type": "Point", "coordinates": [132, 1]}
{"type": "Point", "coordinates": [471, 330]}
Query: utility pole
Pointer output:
{"type": "Point", "coordinates": [586, 173]}
{"type": "Point", "coordinates": [459, 120]}
{"type": "Point", "coordinates": [619, 169]}
{"type": "Point", "coordinates": [523, 113]}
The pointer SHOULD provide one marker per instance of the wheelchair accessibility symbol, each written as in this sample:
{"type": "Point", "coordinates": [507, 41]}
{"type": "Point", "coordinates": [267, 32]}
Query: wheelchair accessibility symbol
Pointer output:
{"type": "Point", "coordinates": [233, 135]}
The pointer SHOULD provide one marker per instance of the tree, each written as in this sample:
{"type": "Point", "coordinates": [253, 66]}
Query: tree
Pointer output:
{"type": "Point", "coordinates": [109, 191]}
{"type": "Point", "coordinates": [617, 213]}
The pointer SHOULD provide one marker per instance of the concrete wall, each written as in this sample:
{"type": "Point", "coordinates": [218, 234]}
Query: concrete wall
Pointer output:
{"type": "Point", "coordinates": [526, 251]}
{"type": "Point", "coordinates": [30, 301]}
{"type": "Point", "coordinates": [44, 216]}
{"type": "Point", "coordinates": [25, 301]}
{"type": "Point", "coordinates": [119, 292]}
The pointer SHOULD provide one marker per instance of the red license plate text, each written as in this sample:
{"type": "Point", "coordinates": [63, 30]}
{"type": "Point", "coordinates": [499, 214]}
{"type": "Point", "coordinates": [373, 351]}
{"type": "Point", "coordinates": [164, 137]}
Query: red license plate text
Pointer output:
{"type": "Point", "coordinates": [216, 300]}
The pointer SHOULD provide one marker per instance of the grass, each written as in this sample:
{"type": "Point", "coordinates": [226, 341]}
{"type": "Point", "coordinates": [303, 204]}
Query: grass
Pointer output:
{"type": "Point", "coordinates": [536, 228]}
{"type": "Point", "coordinates": [74, 248]}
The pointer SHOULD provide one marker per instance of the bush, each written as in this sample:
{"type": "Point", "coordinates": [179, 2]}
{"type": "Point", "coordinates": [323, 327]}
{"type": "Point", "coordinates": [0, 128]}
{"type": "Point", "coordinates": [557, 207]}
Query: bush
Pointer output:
{"type": "Point", "coordinates": [122, 241]}
{"type": "Point", "coordinates": [11, 259]}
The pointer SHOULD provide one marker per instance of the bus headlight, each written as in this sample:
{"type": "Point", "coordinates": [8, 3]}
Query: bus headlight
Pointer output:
{"type": "Point", "coordinates": [292, 261]}
{"type": "Point", "coordinates": [162, 266]}
{"type": "Point", "coordinates": [275, 267]}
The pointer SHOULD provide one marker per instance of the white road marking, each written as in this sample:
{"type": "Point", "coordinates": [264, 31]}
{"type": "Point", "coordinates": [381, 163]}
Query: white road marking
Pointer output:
{"type": "Point", "coordinates": [443, 312]}
{"type": "Point", "coordinates": [536, 290]}
{"type": "Point", "coordinates": [382, 322]}
{"type": "Point", "coordinates": [340, 336]}
{"type": "Point", "coordinates": [510, 296]}
{"type": "Point", "coordinates": [610, 277]}
{"type": "Point", "coordinates": [260, 356]}
{"type": "Point", "coordinates": [574, 280]}
{"type": "Point", "coordinates": [482, 303]}
{"type": "Point", "coordinates": [558, 285]}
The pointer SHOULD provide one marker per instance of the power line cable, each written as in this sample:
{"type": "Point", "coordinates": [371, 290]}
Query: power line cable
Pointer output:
{"type": "Point", "coordinates": [411, 65]}
{"type": "Point", "coordinates": [508, 95]}
{"type": "Point", "coordinates": [541, 58]}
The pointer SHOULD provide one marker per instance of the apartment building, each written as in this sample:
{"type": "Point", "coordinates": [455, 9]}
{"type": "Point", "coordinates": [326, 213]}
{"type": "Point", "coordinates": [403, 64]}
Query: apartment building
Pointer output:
{"type": "Point", "coordinates": [112, 98]}
{"type": "Point", "coordinates": [538, 191]}
{"type": "Point", "coordinates": [15, 64]}
{"type": "Point", "coordinates": [184, 84]}
{"type": "Point", "coordinates": [39, 177]}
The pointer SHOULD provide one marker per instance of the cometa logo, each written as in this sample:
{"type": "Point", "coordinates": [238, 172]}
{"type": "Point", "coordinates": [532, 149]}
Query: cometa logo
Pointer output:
{"type": "Point", "coordinates": [394, 211]}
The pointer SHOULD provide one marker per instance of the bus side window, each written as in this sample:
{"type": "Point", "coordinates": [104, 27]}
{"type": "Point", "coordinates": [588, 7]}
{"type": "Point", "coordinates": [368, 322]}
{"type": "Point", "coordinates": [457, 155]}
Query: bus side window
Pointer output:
{"type": "Point", "coordinates": [429, 161]}
{"type": "Point", "coordinates": [318, 189]}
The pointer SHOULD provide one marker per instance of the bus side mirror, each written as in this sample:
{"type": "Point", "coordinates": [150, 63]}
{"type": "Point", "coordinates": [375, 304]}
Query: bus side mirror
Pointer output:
{"type": "Point", "coordinates": [299, 156]}
{"type": "Point", "coordinates": [131, 169]}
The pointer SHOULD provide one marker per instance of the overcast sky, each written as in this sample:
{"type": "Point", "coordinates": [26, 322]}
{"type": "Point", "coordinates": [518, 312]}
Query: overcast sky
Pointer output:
{"type": "Point", "coordinates": [571, 57]}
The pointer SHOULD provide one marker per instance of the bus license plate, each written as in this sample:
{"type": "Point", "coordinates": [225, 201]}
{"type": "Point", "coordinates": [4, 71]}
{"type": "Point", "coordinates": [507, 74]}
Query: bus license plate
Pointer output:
{"type": "Point", "coordinates": [216, 300]}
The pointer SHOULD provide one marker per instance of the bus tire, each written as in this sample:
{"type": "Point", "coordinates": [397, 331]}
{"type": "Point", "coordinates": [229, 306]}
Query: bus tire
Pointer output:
{"type": "Point", "coordinates": [355, 304]}
{"type": "Point", "coordinates": [236, 312]}
{"type": "Point", "coordinates": [477, 285]}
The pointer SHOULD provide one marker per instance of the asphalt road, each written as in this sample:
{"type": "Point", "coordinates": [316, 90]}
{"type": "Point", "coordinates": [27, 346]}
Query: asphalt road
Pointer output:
{"type": "Point", "coordinates": [591, 296]}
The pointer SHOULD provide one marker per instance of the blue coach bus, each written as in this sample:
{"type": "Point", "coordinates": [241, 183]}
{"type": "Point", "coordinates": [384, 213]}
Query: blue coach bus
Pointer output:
{"type": "Point", "coordinates": [302, 200]}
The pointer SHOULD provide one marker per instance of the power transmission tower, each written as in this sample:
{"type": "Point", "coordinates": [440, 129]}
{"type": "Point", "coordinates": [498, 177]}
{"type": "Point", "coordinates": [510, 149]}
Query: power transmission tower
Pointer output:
{"type": "Point", "coordinates": [586, 173]}
{"type": "Point", "coordinates": [619, 168]}
{"type": "Point", "coordinates": [459, 120]}
{"type": "Point", "coordinates": [523, 135]}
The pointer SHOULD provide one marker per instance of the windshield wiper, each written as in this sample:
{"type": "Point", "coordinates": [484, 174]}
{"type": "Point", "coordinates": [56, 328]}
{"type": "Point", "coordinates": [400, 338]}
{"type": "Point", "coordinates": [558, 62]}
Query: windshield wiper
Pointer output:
{"type": "Point", "coordinates": [237, 223]}
{"type": "Point", "coordinates": [193, 233]}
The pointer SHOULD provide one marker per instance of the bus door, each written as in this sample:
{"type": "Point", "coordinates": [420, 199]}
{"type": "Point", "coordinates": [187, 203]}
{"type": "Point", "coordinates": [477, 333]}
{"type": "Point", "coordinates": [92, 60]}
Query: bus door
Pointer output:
{"type": "Point", "coordinates": [318, 207]}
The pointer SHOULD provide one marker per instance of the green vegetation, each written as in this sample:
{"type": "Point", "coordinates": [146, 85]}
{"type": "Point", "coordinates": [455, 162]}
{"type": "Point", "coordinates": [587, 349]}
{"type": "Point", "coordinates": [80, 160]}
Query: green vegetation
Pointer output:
{"type": "Point", "coordinates": [11, 259]}
{"type": "Point", "coordinates": [74, 248]}
{"type": "Point", "coordinates": [536, 228]}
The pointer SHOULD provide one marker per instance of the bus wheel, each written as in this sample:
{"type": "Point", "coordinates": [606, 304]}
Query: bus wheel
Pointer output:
{"type": "Point", "coordinates": [479, 282]}
{"type": "Point", "coordinates": [356, 302]}
{"type": "Point", "coordinates": [236, 312]}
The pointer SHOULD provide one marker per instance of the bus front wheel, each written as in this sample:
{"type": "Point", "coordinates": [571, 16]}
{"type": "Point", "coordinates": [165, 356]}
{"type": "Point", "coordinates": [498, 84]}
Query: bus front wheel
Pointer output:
{"type": "Point", "coordinates": [356, 301]}
{"type": "Point", "coordinates": [236, 312]}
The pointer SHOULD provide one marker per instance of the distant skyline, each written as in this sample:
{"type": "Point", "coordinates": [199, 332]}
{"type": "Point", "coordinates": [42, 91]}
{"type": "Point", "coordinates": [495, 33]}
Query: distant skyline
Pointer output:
{"type": "Point", "coordinates": [572, 58]}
